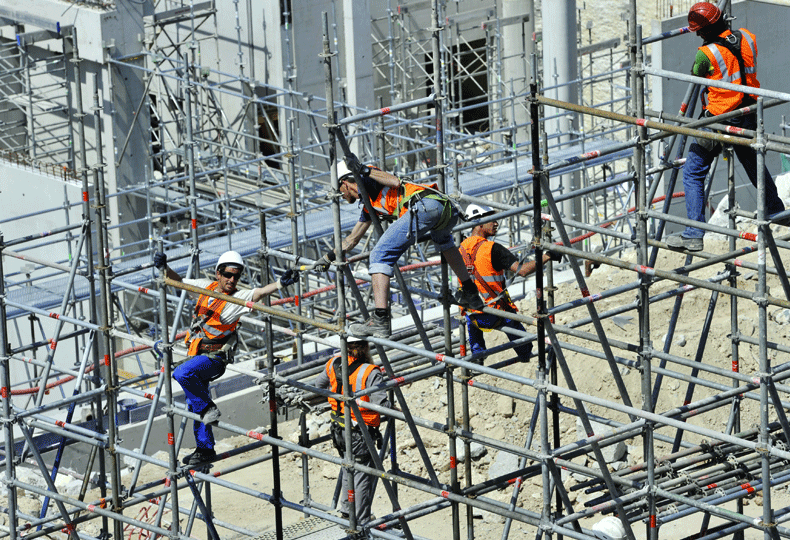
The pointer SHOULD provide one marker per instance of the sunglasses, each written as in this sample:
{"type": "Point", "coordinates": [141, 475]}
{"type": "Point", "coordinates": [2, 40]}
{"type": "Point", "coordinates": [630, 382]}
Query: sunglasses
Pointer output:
{"type": "Point", "coordinates": [229, 275]}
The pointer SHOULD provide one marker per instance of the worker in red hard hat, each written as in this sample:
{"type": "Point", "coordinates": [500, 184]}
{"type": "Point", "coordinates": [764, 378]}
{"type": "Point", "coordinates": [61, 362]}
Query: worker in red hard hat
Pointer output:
{"type": "Point", "coordinates": [728, 56]}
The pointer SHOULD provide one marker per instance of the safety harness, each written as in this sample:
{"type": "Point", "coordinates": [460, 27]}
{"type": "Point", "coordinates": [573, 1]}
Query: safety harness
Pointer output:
{"type": "Point", "coordinates": [500, 300]}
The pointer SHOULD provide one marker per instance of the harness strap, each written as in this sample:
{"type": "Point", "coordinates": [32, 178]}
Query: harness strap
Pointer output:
{"type": "Point", "coordinates": [471, 259]}
{"type": "Point", "coordinates": [734, 47]}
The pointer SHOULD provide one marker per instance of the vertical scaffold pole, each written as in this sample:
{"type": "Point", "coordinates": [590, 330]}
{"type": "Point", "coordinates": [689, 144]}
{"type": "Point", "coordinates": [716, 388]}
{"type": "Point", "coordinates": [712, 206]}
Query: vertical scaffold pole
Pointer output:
{"type": "Point", "coordinates": [189, 148]}
{"type": "Point", "coordinates": [762, 317]}
{"type": "Point", "coordinates": [110, 372]}
{"type": "Point", "coordinates": [638, 104]}
{"type": "Point", "coordinates": [5, 395]}
{"type": "Point", "coordinates": [167, 368]}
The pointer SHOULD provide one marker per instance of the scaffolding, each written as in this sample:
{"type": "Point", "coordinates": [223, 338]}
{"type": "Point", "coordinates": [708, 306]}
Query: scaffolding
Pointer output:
{"type": "Point", "coordinates": [235, 164]}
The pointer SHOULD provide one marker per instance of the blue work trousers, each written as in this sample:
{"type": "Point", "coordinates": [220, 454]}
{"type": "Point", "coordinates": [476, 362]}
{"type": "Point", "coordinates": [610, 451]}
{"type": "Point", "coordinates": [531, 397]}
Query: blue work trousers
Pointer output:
{"type": "Point", "coordinates": [698, 162]}
{"type": "Point", "coordinates": [477, 338]}
{"type": "Point", "coordinates": [194, 376]}
{"type": "Point", "coordinates": [418, 222]}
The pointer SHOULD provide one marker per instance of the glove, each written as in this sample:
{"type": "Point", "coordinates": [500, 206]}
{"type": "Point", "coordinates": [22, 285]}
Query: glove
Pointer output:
{"type": "Point", "coordinates": [160, 260]}
{"type": "Point", "coordinates": [289, 277]}
{"type": "Point", "coordinates": [555, 256]}
{"type": "Point", "coordinates": [353, 164]}
{"type": "Point", "coordinates": [323, 264]}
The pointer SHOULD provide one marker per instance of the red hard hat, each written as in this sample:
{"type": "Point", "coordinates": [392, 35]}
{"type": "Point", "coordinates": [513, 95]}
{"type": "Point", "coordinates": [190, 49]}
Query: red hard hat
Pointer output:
{"type": "Point", "coordinates": [702, 14]}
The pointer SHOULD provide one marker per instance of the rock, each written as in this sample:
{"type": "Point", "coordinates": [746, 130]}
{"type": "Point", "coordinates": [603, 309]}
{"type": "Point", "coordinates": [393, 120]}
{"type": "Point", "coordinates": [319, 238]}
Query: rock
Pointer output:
{"type": "Point", "coordinates": [476, 451]}
{"type": "Point", "coordinates": [612, 452]}
{"type": "Point", "coordinates": [505, 406]}
{"type": "Point", "coordinates": [782, 316]}
{"type": "Point", "coordinates": [489, 517]}
{"type": "Point", "coordinates": [504, 463]}
{"type": "Point", "coordinates": [330, 471]}
{"type": "Point", "coordinates": [678, 341]}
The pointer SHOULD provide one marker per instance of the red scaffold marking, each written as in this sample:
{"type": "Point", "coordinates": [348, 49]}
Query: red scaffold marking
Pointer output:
{"type": "Point", "coordinates": [60, 423]}
{"type": "Point", "coordinates": [85, 196]}
{"type": "Point", "coordinates": [350, 495]}
{"type": "Point", "coordinates": [170, 439]}
{"type": "Point", "coordinates": [167, 482]}
{"type": "Point", "coordinates": [737, 262]}
{"type": "Point", "coordinates": [4, 392]}
{"type": "Point", "coordinates": [585, 293]}
{"type": "Point", "coordinates": [255, 435]}
{"type": "Point", "coordinates": [594, 153]}
{"type": "Point", "coordinates": [463, 349]}
{"type": "Point", "coordinates": [106, 359]}
{"type": "Point", "coordinates": [749, 236]}
{"type": "Point", "coordinates": [400, 380]}
{"type": "Point", "coordinates": [440, 358]}
{"type": "Point", "coordinates": [735, 366]}
{"type": "Point", "coordinates": [551, 319]}
{"type": "Point", "coordinates": [142, 290]}
{"type": "Point", "coordinates": [684, 107]}
{"type": "Point", "coordinates": [453, 462]}
{"type": "Point", "coordinates": [748, 487]}
{"type": "Point", "coordinates": [734, 130]}
{"type": "Point", "coordinates": [296, 301]}
{"type": "Point", "coordinates": [471, 382]}
{"type": "Point", "coordinates": [53, 344]}
{"type": "Point", "coordinates": [149, 396]}
{"type": "Point", "coordinates": [194, 223]}
{"type": "Point", "coordinates": [54, 316]}
{"type": "Point", "coordinates": [162, 369]}
{"type": "Point", "coordinates": [641, 122]}
{"type": "Point", "coordinates": [711, 486]}
{"type": "Point", "coordinates": [91, 508]}
{"type": "Point", "coordinates": [653, 521]}
{"type": "Point", "coordinates": [385, 110]}
{"type": "Point", "coordinates": [445, 494]}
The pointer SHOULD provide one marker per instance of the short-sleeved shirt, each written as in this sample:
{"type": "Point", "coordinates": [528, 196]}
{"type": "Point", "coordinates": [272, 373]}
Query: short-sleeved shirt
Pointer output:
{"type": "Point", "coordinates": [231, 312]}
{"type": "Point", "coordinates": [501, 257]}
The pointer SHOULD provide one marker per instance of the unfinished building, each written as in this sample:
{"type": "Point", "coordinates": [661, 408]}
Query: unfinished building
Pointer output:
{"type": "Point", "coordinates": [194, 128]}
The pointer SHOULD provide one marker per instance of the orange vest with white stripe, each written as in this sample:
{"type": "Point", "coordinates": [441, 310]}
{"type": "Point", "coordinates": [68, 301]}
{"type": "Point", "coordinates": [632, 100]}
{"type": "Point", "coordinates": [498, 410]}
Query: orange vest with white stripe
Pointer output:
{"type": "Point", "coordinates": [357, 383]}
{"type": "Point", "coordinates": [476, 252]}
{"type": "Point", "coordinates": [208, 325]}
{"type": "Point", "coordinates": [392, 201]}
{"type": "Point", "coordinates": [726, 69]}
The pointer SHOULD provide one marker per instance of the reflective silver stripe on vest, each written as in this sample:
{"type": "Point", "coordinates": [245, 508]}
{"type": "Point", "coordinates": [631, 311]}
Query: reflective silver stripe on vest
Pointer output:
{"type": "Point", "coordinates": [725, 76]}
{"type": "Point", "coordinates": [753, 47]}
{"type": "Point", "coordinates": [360, 378]}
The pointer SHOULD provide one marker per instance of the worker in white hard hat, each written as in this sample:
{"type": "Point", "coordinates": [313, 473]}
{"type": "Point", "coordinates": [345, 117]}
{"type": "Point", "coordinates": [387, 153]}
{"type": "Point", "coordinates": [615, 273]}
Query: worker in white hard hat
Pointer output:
{"type": "Point", "coordinates": [416, 211]}
{"type": "Point", "coordinates": [363, 373]}
{"type": "Point", "coordinates": [212, 340]}
{"type": "Point", "coordinates": [487, 262]}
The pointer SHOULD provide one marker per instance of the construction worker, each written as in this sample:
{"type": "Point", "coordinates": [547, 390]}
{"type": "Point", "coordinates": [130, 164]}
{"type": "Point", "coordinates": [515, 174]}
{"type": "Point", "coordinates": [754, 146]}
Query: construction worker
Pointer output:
{"type": "Point", "coordinates": [363, 374]}
{"type": "Point", "coordinates": [212, 341]}
{"type": "Point", "coordinates": [487, 262]}
{"type": "Point", "coordinates": [730, 57]}
{"type": "Point", "coordinates": [416, 211]}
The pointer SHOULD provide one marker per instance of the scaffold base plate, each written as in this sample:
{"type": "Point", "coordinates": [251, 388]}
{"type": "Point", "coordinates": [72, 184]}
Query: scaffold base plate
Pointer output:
{"type": "Point", "coordinates": [311, 528]}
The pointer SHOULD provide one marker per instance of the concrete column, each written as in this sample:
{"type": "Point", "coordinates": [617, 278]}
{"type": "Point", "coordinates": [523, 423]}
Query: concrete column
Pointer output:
{"type": "Point", "coordinates": [518, 46]}
{"type": "Point", "coordinates": [560, 66]}
{"type": "Point", "coordinates": [357, 54]}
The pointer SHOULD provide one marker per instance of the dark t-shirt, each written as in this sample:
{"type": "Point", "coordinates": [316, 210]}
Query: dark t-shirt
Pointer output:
{"type": "Point", "coordinates": [373, 188]}
{"type": "Point", "coordinates": [501, 258]}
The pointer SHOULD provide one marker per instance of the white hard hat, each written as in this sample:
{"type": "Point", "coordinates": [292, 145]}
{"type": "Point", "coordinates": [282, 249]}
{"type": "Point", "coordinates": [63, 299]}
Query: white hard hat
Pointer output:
{"type": "Point", "coordinates": [609, 528]}
{"type": "Point", "coordinates": [334, 341]}
{"type": "Point", "coordinates": [474, 211]}
{"type": "Point", "coordinates": [343, 171]}
{"type": "Point", "coordinates": [230, 257]}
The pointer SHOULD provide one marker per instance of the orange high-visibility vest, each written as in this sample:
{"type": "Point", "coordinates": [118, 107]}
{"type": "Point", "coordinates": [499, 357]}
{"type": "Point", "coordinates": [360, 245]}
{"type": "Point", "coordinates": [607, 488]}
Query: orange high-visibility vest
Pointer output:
{"type": "Point", "coordinates": [357, 384]}
{"type": "Point", "coordinates": [726, 68]}
{"type": "Point", "coordinates": [393, 201]}
{"type": "Point", "coordinates": [208, 325]}
{"type": "Point", "coordinates": [476, 252]}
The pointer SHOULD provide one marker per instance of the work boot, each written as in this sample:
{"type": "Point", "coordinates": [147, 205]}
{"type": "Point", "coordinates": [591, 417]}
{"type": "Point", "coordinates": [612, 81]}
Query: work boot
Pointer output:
{"type": "Point", "coordinates": [678, 241]}
{"type": "Point", "coordinates": [210, 415]}
{"type": "Point", "coordinates": [199, 456]}
{"type": "Point", "coordinates": [377, 326]}
{"type": "Point", "coordinates": [469, 299]}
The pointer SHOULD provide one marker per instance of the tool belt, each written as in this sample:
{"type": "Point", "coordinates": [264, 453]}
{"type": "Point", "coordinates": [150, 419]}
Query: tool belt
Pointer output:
{"type": "Point", "coordinates": [204, 348]}
{"type": "Point", "coordinates": [358, 447]}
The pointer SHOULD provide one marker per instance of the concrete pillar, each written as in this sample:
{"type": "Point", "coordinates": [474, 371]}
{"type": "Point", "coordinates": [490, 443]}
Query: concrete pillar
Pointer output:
{"type": "Point", "coordinates": [358, 55]}
{"type": "Point", "coordinates": [518, 46]}
{"type": "Point", "coordinates": [560, 66]}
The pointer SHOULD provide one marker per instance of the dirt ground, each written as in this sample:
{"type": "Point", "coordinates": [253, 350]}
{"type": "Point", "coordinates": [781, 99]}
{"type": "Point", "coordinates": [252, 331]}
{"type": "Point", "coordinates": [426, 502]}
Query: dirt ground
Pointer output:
{"type": "Point", "coordinates": [507, 420]}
